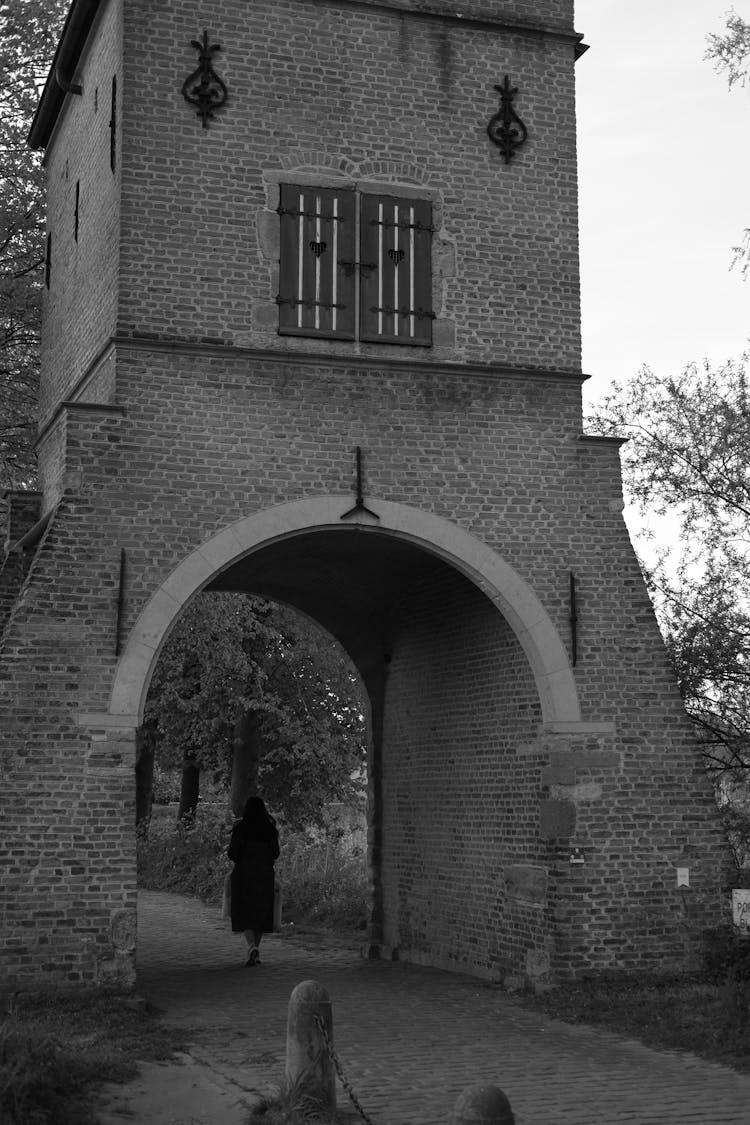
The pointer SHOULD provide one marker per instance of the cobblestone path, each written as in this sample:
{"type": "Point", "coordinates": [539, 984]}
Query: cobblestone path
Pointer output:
{"type": "Point", "coordinates": [411, 1039]}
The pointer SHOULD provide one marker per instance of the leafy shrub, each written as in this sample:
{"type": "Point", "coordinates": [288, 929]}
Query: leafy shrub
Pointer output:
{"type": "Point", "coordinates": [323, 880]}
{"type": "Point", "coordinates": [735, 998]}
{"type": "Point", "coordinates": [726, 954]}
{"type": "Point", "coordinates": [189, 856]}
{"type": "Point", "coordinates": [166, 785]}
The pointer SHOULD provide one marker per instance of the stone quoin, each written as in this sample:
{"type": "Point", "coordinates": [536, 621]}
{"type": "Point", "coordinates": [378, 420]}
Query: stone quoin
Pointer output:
{"type": "Point", "coordinates": [340, 257]}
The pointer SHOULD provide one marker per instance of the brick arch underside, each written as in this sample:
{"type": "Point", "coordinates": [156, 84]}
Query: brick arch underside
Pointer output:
{"type": "Point", "coordinates": [487, 571]}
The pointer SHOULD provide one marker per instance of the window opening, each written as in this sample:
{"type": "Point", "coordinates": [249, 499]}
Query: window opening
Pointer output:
{"type": "Point", "coordinates": [323, 284]}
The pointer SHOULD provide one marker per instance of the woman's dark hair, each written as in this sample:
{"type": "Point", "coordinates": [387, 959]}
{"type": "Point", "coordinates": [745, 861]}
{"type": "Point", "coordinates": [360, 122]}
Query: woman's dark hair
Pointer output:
{"type": "Point", "coordinates": [257, 822]}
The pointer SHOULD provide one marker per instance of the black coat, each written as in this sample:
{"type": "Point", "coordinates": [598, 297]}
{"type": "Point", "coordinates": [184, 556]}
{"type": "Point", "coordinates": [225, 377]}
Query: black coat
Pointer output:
{"type": "Point", "coordinates": [252, 880]}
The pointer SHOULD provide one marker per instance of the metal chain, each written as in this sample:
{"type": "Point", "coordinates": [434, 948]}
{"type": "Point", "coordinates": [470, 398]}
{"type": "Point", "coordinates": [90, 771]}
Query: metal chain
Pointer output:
{"type": "Point", "coordinates": [340, 1070]}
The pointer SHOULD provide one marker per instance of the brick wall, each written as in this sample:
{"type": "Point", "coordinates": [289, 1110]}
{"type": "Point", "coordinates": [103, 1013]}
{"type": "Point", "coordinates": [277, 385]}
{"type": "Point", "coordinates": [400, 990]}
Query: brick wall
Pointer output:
{"type": "Point", "coordinates": [482, 813]}
{"type": "Point", "coordinates": [460, 803]}
{"type": "Point", "coordinates": [79, 312]}
{"type": "Point", "coordinates": [371, 95]}
{"type": "Point", "coordinates": [67, 809]}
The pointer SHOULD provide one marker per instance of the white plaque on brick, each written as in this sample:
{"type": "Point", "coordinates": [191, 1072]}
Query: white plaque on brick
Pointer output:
{"type": "Point", "coordinates": [741, 909]}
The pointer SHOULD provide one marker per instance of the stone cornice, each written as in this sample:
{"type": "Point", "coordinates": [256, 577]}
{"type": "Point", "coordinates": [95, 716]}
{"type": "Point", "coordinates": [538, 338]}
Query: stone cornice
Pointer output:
{"type": "Point", "coordinates": [486, 22]}
{"type": "Point", "coordinates": [83, 407]}
{"type": "Point", "coordinates": [360, 362]}
{"type": "Point", "coordinates": [299, 358]}
{"type": "Point", "coordinates": [602, 439]}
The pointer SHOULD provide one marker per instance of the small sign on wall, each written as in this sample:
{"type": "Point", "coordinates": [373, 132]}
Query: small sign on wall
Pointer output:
{"type": "Point", "coordinates": [741, 909]}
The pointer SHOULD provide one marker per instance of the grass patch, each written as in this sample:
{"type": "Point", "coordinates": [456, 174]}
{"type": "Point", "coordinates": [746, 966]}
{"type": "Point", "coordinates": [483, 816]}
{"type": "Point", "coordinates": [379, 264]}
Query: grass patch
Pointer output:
{"type": "Point", "coordinates": [57, 1049]}
{"type": "Point", "coordinates": [280, 1111]}
{"type": "Point", "coordinates": [695, 1014]}
{"type": "Point", "coordinates": [293, 1107]}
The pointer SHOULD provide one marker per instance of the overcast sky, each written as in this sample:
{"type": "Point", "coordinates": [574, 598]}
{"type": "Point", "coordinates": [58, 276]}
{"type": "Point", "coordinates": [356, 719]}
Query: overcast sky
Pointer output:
{"type": "Point", "coordinates": [664, 165]}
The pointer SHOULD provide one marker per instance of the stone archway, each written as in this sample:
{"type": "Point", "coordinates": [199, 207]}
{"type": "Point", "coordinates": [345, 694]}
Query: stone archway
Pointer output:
{"type": "Point", "coordinates": [249, 554]}
{"type": "Point", "coordinates": [502, 585]}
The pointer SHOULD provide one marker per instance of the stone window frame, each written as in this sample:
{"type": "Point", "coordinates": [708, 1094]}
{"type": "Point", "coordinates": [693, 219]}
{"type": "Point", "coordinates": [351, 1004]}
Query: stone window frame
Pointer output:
{"type": "Point", "coordinates": [385, 183]}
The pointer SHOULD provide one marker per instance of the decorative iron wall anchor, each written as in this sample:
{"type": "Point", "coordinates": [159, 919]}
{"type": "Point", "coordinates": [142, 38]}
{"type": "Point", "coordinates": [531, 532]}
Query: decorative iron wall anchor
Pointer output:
{"type": "Point", "coordinates": [501, 129]}
{"type": "Point", "coordinates": [203, 88]}
{"type": "Point", "coordinates": [573, 620]}
{"type": "Point", "coordinates": [120, 603]}
{"type": "Point", "coordinates": [360, 502]}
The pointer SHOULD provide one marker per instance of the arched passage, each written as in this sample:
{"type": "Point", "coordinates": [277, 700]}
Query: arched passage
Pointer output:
{"type": "Point", "coordinates": [397, 523]}
{"type": "Point", "coordinates": [461, 663]}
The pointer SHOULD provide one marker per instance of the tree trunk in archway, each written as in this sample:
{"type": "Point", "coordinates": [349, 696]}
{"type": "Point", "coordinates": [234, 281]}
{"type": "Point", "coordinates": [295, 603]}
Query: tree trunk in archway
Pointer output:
{"type": "Point", "coordinates": [145, 747]}
{"type": "Point", "coordinates": [190, 787]}
{"type": "Point", "coordinates": [375, 680]}
{"type": "Point", "coordinates": [245, 759]}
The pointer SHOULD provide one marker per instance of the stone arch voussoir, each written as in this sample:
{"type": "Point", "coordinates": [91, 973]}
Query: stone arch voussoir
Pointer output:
{"type": "Point", "coordinates": [513, 596]}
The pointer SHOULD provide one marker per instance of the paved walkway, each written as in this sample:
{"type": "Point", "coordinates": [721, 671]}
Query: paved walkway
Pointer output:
{"type": "Point", "coordinates": [411, 1039]}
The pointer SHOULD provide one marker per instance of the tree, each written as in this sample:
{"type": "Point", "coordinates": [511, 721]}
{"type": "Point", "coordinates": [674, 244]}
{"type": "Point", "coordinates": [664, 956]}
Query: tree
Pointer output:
{"type": "Point", "coordinates": [731, 51]}
{"type": "Point", "coordinates": [239, 669]}
{"type": "Point", "coordinates": [687, 462]}
{"type": "Point", "coordinates": [205, 680]}
{"type": "Point", "coordinates": [313, 730]}
{"type": "Point", "coordinates": [731, 55]}
{"type": "Point", "coordinates": [28, 35]}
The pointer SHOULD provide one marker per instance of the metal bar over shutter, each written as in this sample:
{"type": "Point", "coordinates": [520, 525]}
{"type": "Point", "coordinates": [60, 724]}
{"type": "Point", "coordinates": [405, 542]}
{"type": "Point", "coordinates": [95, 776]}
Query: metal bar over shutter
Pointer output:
{"type": "Point", "coordinates": [316, 284]}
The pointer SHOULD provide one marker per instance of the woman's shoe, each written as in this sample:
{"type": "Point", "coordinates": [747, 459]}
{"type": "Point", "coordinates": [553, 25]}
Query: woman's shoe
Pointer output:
{"type": "Point", "coordinates": [253, 957]}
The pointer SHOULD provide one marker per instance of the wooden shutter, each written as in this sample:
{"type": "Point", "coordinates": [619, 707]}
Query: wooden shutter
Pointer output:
{"type": "Point", "coordinates": [396, 270]}
{"type": "Point", "coordinates": [317, 272]}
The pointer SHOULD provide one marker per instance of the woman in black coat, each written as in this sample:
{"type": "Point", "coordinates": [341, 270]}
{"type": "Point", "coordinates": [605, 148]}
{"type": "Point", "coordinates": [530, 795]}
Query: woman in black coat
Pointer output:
{"type": "Point", "coordinates": [253, 849]}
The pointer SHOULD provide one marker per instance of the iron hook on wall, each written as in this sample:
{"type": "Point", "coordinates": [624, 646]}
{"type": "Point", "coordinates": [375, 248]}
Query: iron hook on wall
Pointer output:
{"type": "Point", "coordinates": [120, 603]}
{"type": "Point", "coordinates": [573, 619]}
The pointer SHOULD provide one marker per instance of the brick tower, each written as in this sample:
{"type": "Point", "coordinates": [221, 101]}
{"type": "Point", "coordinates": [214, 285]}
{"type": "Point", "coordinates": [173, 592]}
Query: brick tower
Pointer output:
{"type": "Point", "coordinates": [281, 233]}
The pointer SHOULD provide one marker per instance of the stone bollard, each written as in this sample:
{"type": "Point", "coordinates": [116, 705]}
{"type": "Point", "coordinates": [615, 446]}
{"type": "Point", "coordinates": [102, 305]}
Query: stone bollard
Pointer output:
{"type": "Point", "coordinates": [309, 1070]}
{"type": "Point", "coordinates": [482, 1105]}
